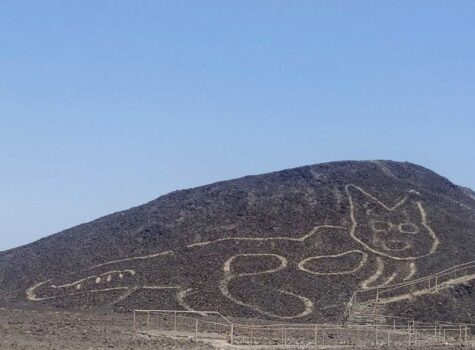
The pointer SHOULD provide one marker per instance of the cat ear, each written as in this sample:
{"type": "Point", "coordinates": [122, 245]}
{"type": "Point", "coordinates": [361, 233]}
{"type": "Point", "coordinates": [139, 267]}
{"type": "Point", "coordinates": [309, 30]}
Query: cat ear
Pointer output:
{"type": "Point", "coordinates": [359, 199]}
{"type": "Point", "coordinates": [412, 205]}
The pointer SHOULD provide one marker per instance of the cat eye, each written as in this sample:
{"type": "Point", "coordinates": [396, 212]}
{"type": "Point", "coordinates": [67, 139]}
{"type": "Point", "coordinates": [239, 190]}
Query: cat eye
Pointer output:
{"type": "Point", "coordinates": [408, 227]}
{"type": "Point", "coordinates": [381, 225]}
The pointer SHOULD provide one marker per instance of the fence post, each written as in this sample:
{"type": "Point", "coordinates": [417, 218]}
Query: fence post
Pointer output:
{"type": "Point", "coordinates": [196, 329]}
{"type": "Point", "coordinates": [252, 336]}
{"type": "Point", "coordinates": [148, 320]}
{"type": "Point", "coordinates": [460, 333]}
{"type": "Point", "coordinates": [232, 334]}
{"type": "Point", "coordinates": [376, 305]}
{"type": "Point", "coordinates": [174, 325]}
{"type": "Point", "coordinates": [357, 335]}
{"type": "Point", "coordinates": [316, 336]}
{"type": "Point", "coordinates": [135, 324]}
{"type": "Point", "coordinates": [285, 337]}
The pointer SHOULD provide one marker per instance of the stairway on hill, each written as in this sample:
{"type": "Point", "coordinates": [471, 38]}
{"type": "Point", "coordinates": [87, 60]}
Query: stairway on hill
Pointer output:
{"type": "Point", "coordinates": [367, 313]}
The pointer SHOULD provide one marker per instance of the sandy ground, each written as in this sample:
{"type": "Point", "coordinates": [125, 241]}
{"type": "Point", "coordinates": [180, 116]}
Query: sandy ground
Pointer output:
{"type": "Point", "coordinates": [66, 330]}
{"type": "Point", "coordinates": [61, 330]}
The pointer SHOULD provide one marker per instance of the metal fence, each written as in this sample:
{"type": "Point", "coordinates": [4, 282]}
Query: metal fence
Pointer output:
{"type": "Point", "coordinates": [437, 281]}
{"type": "Point", "coordinates": [211, 326]}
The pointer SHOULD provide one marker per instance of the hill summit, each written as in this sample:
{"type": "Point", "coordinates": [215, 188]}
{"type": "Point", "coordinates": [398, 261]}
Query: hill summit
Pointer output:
{"type": "Point", "coordinates": [291, 245]}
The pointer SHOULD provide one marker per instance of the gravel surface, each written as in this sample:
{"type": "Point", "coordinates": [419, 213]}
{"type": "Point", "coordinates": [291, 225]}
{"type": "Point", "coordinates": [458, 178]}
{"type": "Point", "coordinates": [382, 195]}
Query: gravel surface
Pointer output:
{"type": "Point", "coordinates": [65, 330]}
{"type": "Point", "coordinates": [60, 330]}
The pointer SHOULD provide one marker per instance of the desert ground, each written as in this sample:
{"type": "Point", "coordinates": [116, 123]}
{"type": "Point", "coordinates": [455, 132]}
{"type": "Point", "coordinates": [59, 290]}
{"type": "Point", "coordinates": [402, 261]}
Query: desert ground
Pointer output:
{"type": "Point", "coordinates": [22, 329]}
{"type": "Point", "coordinates": [50, 329]}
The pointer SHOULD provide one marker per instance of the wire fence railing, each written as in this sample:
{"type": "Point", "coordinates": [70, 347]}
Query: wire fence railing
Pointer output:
{"type": "Point", "coordinates": [362, 325]}
{"type": "Point", "coordinates": [415, 287]}
{"type": "Point", "coordinates": [211, 326]}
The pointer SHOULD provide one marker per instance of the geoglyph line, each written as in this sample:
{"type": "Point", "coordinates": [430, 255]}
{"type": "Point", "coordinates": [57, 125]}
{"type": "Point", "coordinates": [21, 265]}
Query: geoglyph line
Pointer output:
{"type": "Point", "coordinates": [379, 271]}
{"type": "Point", "coordinates": [144, 257]}
{"type": "Point", "coordinates": [181, 296]}
{"type": "Point", "coordinates": [229, 276]}
{"type": "Point", "coordinates": [389, 280]}
{"type": "Point", "coordinates": [32, 295]}
{"type": "Point", "coordinates": [362, 262]}
{"type": "Point", "coordinates": [435, 240]}
{"type": "Point", "coordinates": [412, 271]}
{"type": "Point", "coordinates": [97, 278]}
{"type": "Point", "coordinates": [264, 239]}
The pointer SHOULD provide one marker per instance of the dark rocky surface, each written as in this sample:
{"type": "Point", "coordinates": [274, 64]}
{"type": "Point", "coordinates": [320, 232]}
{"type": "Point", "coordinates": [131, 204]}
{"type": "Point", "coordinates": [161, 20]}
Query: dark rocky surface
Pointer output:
{"type": "Point", "coordinates": [303, 264]}
{"type": "Point", "coordinates": [455, 304]}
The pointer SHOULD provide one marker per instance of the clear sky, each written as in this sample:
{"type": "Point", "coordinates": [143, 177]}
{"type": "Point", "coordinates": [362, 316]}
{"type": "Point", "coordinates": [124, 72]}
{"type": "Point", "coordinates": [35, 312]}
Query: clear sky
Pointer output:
{"type": "Point", "coordinates": [108, 104]}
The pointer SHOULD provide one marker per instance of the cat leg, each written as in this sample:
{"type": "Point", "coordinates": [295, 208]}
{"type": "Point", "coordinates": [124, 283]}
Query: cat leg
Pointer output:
{"type": "Point", "coordinates": [243, 289]}
{"type": "Point", "coordinates": [389, 272]}
{"type": "Point", "coordinates": [370, 282]}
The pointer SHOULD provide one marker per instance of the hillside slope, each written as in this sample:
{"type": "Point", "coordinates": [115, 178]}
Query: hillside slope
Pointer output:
{"type": "Point", "coordinates": [289, 245]}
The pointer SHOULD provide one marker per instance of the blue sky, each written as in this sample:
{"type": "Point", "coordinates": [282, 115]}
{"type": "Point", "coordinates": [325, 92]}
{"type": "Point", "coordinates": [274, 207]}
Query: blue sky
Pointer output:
{"type": "Point", "coordinates": [108, 104]}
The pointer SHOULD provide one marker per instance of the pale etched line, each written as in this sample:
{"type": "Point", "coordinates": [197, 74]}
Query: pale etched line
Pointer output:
{"type": "Point", "coordinates": [403, 248]}
{"type": "Point", "coordinates": [144, 257]}
{"type": "Point", "coordinates": [32, 295]}
{"type": "Point", "coordinates": [364, 257]}
{"type": "Point", "coordinates": [181, 296]}
{"type": "Point", "coordinates": [264, 239]}
{"type": "Point", "coordinates": [30, 292]}
{"type": "Point", "coordinates": [228, 277]}
{"type": "Point", "coordinates": [96, 277]}
{"type": "Point", "coordinates": [124, 296]}
{"type": "Point", "coordinates": [379, 271]}
{"type": "Point", "coordinates": [398, 204]}
{"type": "Point", "coordinates": [374, 199]}
{"type": "Point", "coordinates": [389, 280]}
{"type": "Point", "coordinates": [283, 264]}
{"type": "Point", "coordinates": [306, 301]}
{"type": "Point", "coordinates": [412, 271]}
{"type": "Point", "coordinates": [431, 232]}
{"type": "Point", "coordinates": [160, 287]}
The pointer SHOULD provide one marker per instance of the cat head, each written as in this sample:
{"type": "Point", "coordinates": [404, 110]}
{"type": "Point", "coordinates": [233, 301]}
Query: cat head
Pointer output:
{"type": "Point", "coordinates": [399, 232]}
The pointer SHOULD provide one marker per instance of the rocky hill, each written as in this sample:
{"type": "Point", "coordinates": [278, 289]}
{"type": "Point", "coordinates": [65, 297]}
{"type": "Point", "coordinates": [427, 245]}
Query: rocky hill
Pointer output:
{"type": "Point", "coordinates": [290, 245]}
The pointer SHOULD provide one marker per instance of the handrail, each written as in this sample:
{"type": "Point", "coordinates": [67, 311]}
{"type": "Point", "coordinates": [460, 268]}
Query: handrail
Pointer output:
{"type": "Point", "coordinates": [437, 275]}
{"type": "Point", "coordinates": [385, 289]}
{"type": "Point", "coordinates": [415, 325]}
{"type": "Point", "coordinates": [426, 278]}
